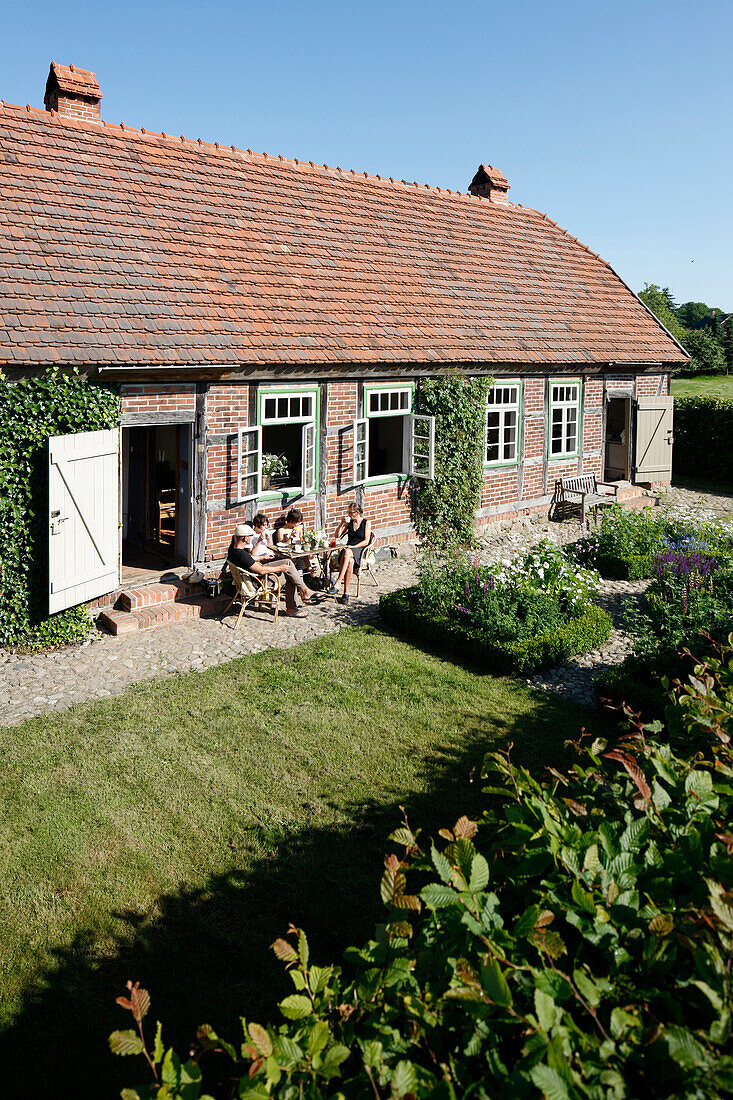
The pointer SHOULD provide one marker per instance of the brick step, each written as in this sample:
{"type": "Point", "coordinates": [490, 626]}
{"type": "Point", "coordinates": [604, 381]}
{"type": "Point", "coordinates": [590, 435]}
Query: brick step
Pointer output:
{"type": "Point", "coordinates": [150, 595]}
{"type": "Point", "coordinates": [169, 611]}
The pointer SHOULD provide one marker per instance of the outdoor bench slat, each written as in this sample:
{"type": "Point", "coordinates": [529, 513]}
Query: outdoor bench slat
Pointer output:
{"type": "Point", "coordinates": [583, 490]}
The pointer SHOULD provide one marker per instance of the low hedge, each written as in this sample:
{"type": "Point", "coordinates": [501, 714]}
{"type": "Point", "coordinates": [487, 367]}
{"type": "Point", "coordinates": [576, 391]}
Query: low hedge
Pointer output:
{"type": "Point", "coordinates": [703, 437]}
{"type": "Point", "coordinates": [580, 634]}
{"type": "Point", "coordinates": [635, 567]}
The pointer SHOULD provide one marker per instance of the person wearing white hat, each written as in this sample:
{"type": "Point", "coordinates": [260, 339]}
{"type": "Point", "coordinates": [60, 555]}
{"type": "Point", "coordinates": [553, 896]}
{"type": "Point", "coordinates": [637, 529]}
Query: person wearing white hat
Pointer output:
{"type": "Point", "coordinates": [240, 555]}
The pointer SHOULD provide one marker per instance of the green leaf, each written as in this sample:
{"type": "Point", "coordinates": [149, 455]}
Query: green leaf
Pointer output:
{"type": "Point", "coordinates": [289, 1052]}
{"type": "Point", "coordinates": [441, 863]}
{"type": "Point", "coordinates": [296, 1007]}
{"type": "Point", "coordinates": [260, 1039]}
{"type": "Point", "coordinates": [158, 1049]}
{"type": "Point", "coordinates": [684, 1048]}
{"type": "Point", "coordinates": [303, 951]}
{"type": "Point", "coordinates": [333, 1058]}
{"type": "Point", "coordinates": [318, 1037]}
{"type": "Point", "coordinates": [318, 977]}
{"type": "Point", "coordinates": [591, 860]}
{"type": "Point", "coordinates": [583, 899]}
{"type": "Point", "coordinates": [527, 922]}
{"type": "Point", "coordinates": [372, 1052]}
{"type": "Point", "coordinates": [404, 1078]}
{"type": "Point", "coordinates": [479, 874]}
{"type": "Point", "coordinates": [403, 836]}
{"type": "Point", "coordinates": [587, 988]}
{"type": "Point", "coordinates": [545, 1009]}
{"type": "Point", "coordinates": [125, 1042]}
{"type": "Point", "coordinates": [549, 1082]}
{"type": "Point", "coordinates": [171, 1070]}
{"type": "Point", "coordinates": [436, 896]}
{"type": "Point", "coordinates": [495, 984]}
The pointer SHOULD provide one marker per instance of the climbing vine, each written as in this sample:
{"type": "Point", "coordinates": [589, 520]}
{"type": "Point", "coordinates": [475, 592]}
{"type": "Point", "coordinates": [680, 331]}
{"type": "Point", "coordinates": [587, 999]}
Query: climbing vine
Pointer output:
{"type": "Point", "coordinates": [445, 508]}
{"type": "Point", "coordinates": [31, 411]}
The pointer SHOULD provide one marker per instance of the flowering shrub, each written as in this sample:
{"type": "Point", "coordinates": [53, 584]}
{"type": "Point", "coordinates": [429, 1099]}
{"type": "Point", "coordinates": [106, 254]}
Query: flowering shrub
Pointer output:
{"type": "Point", "coordinates": [525, 614]}
{"type": "Point", "coordinates": [573, 944]}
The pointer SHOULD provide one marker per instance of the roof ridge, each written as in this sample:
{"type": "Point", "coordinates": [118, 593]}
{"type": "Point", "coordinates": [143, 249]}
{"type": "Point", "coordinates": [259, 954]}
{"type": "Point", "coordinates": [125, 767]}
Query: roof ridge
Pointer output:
{"type": "Point", "coordinates": [228, 149]}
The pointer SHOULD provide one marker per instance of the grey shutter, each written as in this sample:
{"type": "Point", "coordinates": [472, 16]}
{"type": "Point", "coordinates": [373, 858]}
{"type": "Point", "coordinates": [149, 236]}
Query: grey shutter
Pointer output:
{"type": "Point", "coordinates": [654, 439]}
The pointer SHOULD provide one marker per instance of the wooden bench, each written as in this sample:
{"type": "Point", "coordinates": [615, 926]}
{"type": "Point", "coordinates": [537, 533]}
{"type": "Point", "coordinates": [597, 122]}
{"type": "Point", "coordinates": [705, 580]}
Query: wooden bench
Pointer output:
{"type": "Point", "coordinates": [583, 491]}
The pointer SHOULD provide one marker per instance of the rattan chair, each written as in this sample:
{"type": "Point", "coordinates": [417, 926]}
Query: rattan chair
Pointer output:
{"type": "Point", "coordinates": [253, 588]}
{"type": "Point", "coordinates": [366, 564]}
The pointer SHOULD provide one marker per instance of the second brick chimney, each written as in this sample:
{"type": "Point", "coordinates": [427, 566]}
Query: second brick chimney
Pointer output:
{"type": "Point", "coordinates": [489, 183]}
{"type": "Point", "coordinates": [73, 92]}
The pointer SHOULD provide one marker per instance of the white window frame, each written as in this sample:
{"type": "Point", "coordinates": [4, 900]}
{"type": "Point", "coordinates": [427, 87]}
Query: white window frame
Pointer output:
{"type": "Point", "coordinates": [249, 444]}
{"type": "Point", "coordinates": [565, 398]}
{"type": "Point", "coordinates": [422, 431]}
{"type": "Point", "coordinates": [360, 454]}
{"type": "Point", "coordinates": [309, 435]}
{"type": "Point", "coordinates": [502, 408]}
{"type": "Point", "coordinates": [403, 399]}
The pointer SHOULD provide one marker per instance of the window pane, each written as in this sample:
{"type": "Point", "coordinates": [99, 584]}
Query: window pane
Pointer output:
{"type": "Point", "coordinates": [306, 406]}
{"type": "Point", "coordinates": [295, 407]}
{"type": "Point", "coordinates": [394, 400]}
{"type": "Point", "coordinates": [269, 408]}
{"type": "Point", "coordinates": [282, 408]}
{"type": "Point", "coordinates": [373, 402]}
{"type": "Point", "coordinates": [492, 452]}
{"type": "Point", "coordinates": [386, 445]}
{"type": "Point", "coordinates": [405, 399]}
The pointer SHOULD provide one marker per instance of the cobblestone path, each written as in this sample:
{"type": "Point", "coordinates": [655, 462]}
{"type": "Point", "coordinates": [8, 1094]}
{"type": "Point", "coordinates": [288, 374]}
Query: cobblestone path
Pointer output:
{"type": "Point", "coordinates": [104, 666]}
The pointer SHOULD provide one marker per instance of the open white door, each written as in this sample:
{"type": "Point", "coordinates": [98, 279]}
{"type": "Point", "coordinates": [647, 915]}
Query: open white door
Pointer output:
{"type": "Point", "coordinates": [83, 507]}
{"type": "Point", "coordinates": [308, 483]}
{"type": "Point", "coordinates": [361, 452]}
{"type": "Point", "coordinates": [422, 446]}
{"type": "Point", "coordinates": [654, 439]}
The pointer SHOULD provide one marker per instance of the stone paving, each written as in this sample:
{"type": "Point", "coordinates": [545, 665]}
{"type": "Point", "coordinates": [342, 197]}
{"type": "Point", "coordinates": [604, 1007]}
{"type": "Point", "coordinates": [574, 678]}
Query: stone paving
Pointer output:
{"type": "Point", "coordinates": [105, 666]}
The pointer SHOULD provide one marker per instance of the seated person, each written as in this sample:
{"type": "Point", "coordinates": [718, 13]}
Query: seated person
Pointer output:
{"type": "Point", "coordinates": [358, 532]}
{"type": "Point", "coordinates": [259, 545]}
{"type": "Point", "coordinates": [289, 528]}
{"type": "Point", "coordinates": [241, 556]}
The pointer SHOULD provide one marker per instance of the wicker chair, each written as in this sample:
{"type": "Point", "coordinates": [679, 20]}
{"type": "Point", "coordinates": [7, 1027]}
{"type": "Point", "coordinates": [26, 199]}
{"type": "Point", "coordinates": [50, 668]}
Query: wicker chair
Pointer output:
{"type": "Point", "coordinates": [366, 564]}
{"type": "Point", "coordinates": [253, 588]}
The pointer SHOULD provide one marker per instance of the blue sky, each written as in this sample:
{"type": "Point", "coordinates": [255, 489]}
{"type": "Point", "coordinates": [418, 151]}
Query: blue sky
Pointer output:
{"type": "Point", "coordinates": [615, 118]}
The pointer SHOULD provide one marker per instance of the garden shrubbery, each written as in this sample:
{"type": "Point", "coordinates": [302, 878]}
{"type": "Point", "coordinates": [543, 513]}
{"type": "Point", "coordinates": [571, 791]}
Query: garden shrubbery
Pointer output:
{"type": "Point", "coordinates": [529, 613]}
{"type": "Point", "coordinates": [573, 943]}
{"type": "Point", "coordinates": [703, 437]}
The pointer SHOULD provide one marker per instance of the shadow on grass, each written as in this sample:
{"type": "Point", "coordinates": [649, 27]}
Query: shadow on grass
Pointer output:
{"type": "Point", "coordinates": [204, 955]}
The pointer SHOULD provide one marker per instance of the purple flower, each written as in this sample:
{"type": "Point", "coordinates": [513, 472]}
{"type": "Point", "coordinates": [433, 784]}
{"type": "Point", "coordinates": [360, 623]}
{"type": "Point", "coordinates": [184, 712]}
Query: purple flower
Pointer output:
{"type": "Point", "coordinates": [463, 610]}
{"type": "Point", "coordinates": [492, 582]}
{"type": "Point", "coordinates": [467, 591]}
{"type": "Point", "coordinates": [485, 589]}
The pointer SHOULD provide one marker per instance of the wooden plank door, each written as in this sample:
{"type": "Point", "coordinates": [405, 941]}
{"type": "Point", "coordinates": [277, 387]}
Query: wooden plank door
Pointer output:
{"type": "Point", "coordinates": [83, 507]}
{"type": "Point", "coordinates": [654, 439]}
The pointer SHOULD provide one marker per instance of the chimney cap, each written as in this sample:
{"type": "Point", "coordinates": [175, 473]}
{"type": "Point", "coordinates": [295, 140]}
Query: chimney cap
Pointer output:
{"type": "Point", "coordinates": [489, 179]}
{"type": "Point", "coordinates": [72, 81]}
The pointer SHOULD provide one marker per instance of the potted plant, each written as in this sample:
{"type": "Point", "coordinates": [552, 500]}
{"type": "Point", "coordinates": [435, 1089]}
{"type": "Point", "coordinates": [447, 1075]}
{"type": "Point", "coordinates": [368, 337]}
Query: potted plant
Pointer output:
{"type": "Point", "coordinates": [273, 466]}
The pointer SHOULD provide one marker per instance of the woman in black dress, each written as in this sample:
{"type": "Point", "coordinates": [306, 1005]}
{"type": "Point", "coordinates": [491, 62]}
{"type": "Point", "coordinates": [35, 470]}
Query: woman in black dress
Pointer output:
{"type": "Point", "coordinates": [358, 531]}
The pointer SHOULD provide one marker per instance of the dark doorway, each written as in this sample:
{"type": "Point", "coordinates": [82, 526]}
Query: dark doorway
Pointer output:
{"type": "Point", "coordinates": [618, 431]}
{"type": "Point", "coordinates": [156, 497]}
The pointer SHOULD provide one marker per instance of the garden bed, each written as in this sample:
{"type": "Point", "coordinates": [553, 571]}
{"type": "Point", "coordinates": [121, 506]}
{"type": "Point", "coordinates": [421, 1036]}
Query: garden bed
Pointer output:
{"type": "Point", "coordinates": [533, 613]}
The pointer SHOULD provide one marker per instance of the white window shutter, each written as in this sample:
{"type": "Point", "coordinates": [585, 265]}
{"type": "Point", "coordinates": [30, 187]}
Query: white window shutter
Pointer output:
{"type": "Point", "coordinates": [308, 483]}
{"type": "Point", "coordinates": [422, 447]}
{"type": "Point", "coordinates": [249, 464]}
{"type": "Point", "coordinates": [361, 452]}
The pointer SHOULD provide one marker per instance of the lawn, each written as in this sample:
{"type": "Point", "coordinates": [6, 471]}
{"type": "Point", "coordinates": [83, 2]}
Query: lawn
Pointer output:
{"type": "Point", "coordinates": [703, 385]}
{"type": "Point", "coordinates": [169, 835]}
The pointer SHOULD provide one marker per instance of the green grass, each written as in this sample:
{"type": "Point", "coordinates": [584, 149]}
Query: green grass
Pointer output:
{"type": "Point", "coordinates": [702, 385]}
{"type": "Point", "coordinates": [169, 835]}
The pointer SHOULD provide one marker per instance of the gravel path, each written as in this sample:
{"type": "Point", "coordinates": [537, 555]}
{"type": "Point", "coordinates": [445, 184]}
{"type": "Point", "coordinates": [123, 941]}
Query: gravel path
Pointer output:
{"type": "Point", "coordinates": [105, 666]}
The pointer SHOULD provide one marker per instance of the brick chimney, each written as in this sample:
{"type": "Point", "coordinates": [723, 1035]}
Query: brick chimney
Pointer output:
{"type": "Point", "coordinates": [73, 92]}
{"type": "Point", "coordinates": [489, 183]}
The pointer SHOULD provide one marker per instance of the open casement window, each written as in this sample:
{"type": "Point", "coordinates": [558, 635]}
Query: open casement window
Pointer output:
{"type": "Point", "coordinates": [564, 419]}
{"type": "Point", "coordinates": [361, 451]}
{"type": "Point", "coordinates": [289, 443]}
{"type": "Point", "coordinates": [502, 424]}
{"type": "Point", "coordinates": [422, 446]}
{"type": "Point", "coordinates": [249, 464]}
{"type": "Point", "coordinates": [386, 450]}
{"type": "Point", "coordinates": [308, 450]}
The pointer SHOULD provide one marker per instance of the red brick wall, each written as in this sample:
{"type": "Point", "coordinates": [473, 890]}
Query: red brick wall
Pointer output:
{"type": "Point", "coordinates": [88, 110]}
{"type": "Point", "coordinates": [158, 398]}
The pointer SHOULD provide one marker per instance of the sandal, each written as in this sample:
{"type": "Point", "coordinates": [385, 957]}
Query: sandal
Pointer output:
{"type": "Point", "coordinates": [296, 614]}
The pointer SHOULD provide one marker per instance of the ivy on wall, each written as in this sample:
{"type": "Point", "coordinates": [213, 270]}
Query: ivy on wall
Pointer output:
{"type": "Point", "coordinates": [444, 509]}
{"type": "Point", "coordinates": [30, 412]}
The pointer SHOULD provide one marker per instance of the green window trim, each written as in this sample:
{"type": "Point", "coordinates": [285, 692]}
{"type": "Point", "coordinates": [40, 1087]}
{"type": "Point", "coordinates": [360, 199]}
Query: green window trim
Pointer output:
{"type": "Point", "coordinates": [292, 493]}
{"type": "Point", "coordinates": [504, 462]}
{"type": "Point", "coordinates": [552, 405]}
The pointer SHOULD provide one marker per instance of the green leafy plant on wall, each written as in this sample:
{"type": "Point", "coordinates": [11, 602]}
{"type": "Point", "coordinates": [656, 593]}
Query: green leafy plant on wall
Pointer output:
{"type": "Point", "coordinates": [31, 411]}
{"type": "Point", "coordinates": [444, 508]}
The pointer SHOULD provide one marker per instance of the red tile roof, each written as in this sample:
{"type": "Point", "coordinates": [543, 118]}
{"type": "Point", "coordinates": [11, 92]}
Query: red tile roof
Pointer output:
{"type": "Point", "coordinates": [123, 247]}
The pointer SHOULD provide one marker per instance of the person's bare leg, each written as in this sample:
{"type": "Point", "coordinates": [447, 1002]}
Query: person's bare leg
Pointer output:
{"type": "Point", "coordinates": [348, 558]}
{"type": "Point", "coordinates": [349, 574]}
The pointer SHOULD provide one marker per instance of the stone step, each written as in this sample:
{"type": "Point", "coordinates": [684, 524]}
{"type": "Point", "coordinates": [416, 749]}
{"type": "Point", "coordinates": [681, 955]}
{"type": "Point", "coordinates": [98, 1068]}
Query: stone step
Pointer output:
{"type": "Point", "coordinates": [152, 615]}
{"type": "Point", "coordinates": [150, 595]}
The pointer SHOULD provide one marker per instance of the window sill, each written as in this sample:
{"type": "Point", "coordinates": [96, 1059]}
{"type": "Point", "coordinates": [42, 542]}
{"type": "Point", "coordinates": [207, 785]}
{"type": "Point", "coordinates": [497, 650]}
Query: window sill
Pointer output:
{"type": "Point", "coordinates": [563, 458]}
{"type": "Point", "coordinates": [489, 466]}
{"type": "Point", "coordinates": [385, 479]}
{"type": "Point", "coordinates": [289, 495]}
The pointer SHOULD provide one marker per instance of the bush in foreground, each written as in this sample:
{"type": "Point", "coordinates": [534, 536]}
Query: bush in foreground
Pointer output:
{"type": "Point", "coordinates": [529, 613]}
{"type": "Point", "coordinates": [575, 943]}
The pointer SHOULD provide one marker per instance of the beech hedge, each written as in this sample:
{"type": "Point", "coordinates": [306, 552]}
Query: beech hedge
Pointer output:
{"type": "Point", "coordinates": [703, 437]}
{"type": "Point", "coordinates": [584, 631]}
{"type": "Point", "coordinates": [572, 944]}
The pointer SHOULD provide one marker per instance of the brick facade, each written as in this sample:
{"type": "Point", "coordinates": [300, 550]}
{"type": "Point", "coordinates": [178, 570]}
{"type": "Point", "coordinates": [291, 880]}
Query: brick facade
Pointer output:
{"type": "Point", "coordinates": [507, 490]}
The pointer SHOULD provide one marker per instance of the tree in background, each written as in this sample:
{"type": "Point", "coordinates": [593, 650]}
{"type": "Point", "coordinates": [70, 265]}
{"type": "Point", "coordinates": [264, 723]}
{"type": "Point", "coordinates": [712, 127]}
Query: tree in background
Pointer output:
{"type": "Point", "coordinates": [728, 345]}
{"type": "Point", "coordinates": [660, 301]}
{"type": "Point", "coordinates": [706, 351]}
